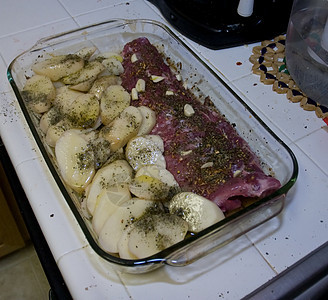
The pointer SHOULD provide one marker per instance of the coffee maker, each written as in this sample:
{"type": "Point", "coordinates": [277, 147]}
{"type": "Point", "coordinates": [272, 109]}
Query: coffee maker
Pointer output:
{"type": "Point", "coordinates": [218, 24]}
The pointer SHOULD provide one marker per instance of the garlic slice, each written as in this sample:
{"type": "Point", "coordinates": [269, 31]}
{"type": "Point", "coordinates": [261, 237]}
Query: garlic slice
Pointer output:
{"type": "Point", "coordinates": [156, 78]}
{"type": "Point", "coordinates": [188, 110]}
{"type": "Point", "coordinates": [140, 85]}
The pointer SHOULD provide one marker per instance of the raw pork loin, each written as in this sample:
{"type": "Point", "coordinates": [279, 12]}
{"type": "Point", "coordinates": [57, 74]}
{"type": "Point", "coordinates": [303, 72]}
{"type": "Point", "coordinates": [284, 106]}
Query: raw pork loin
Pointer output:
{"type": "Point", "coordinates": [202, 150]}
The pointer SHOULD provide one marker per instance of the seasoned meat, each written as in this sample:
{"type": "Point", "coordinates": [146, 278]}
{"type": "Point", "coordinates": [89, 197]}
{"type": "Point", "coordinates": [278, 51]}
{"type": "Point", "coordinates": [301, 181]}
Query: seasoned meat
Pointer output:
{"type": "Point", "coordinates": [202, 149]}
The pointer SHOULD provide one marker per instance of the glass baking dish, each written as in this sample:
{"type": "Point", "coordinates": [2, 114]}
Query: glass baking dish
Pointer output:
{"type": "Point", "coordinates": [276, 158]}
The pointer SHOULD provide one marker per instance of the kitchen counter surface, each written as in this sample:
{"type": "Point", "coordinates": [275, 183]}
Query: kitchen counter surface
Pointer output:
{"type": "Point", "coordinates": [238, 268]}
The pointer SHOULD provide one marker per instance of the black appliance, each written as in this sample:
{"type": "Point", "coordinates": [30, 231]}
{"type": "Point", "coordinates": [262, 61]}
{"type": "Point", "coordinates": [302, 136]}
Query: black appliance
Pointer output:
{"type": "Point", "coordinates": [218, 24]}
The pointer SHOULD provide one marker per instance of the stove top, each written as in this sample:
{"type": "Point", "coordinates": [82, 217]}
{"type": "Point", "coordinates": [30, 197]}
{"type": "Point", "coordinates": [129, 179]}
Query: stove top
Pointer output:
{"type": "Point", "coordinates": [217, 24]}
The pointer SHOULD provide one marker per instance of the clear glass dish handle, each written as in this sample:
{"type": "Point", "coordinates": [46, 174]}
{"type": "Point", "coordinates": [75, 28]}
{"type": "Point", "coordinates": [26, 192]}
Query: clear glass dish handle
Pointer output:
{"type": "Point", "coordinates": [225, 234]}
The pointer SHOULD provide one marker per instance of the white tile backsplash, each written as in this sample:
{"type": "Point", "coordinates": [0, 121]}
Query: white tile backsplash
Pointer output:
{"type": "Point", "coordinates": [16, 15]}
{"type": "Point", "coordinates": [183, 282]}
{"type": "Point", "coordinates": [87, 6]}
{"type": "Point", "coordinates": [23, 41]}
{"type": "Point", "coordinates": [132, 10]}
{"type": "Point", "coordinates": [317, 150]}
{"type": "Point", "coordinates": [4, 83]}
{"type": "Point", "coordinates": [13, 127]}
{"type": "Point", "coordinates": [289, 117]}
{"type": "Point", "coordinates": [89, 277]}
{"type": "Point", "coordinates": [63, 235]}
{"type": "Point", "coordinates": [230, 273]}
{"type": "Point", "coordinates": [303, 224]}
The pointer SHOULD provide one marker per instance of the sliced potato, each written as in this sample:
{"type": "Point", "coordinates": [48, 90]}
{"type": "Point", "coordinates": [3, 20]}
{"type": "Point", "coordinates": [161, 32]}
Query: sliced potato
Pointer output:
{"type": "Point", "coordinates": [54, 132]}
{"type": "Point", "coordinates": [101, 149]}
{"type": "Point", "coordinates": [108, 201]}
{"type": "Point", "coordinates": [102, 83]}
{"type": "Point", "coordinates": [159, 173]}
{"type": "Point", "coordinates": [59, 66]}
{"type": "Point", "coordinates": [117, 172]}
{"type": "Point", "coordinates": [83, 86]}
{"type": "Point", "coordinates": [141, 151]}
{"type": "Point", "coordinates": [149, 188]}
{"type": "Point", "coordinates": [123, 244]}
{"type": "Point", "coordinates": [51, 117]}
{"type": "Point", "coordinates": [148, 120]}
{"type": "Point", "coordinates": [84, 111]}
{"type": "Point", "coordinates": [64, 99]}
{"type": "Point", "coordinates": [112, 230]}
{"type": "Point", "coordinates": [105, 55]}
{"type": "Point", "coordinates": [123, 128]}
{"type": "Point", "coordinates": [198, 211]}
{"type": "Point", "coordinates": [154, 233]}
{"type": "Point", "coordinates": [75, 161]}
{"type": "Point", "coordinates": [39, 93]}
{"type": "Point", "coordinates": [156, 139]}
{"type": "Point", "coordinates": [113, 65]}
{"type": "Point", "coordinates": [86, 52]}
{"type": "Point", "coordinates": [113, 101]}
{"type": "Point", "coordinates": [89, 72]}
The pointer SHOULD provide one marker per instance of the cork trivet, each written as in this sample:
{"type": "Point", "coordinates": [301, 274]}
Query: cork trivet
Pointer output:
{"type": "Point", "coordinates": [269, 62]}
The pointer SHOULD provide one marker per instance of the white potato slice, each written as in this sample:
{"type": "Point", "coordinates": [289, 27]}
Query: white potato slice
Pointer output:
{"type": "Point", "coordinates": [89, 72]}
{"type": "Point", "coordinates": [113, 65]}
{"type": "Point", "coordinates": [84, 111]}
{"type": "Point", "coordinates": [64, 99]}
{"type": "Point", "coordinates": [39, 93]}
{"type": "Point", "coordinates": [105, 55]}
{"type": "Point", "coordinates": [112, 174]}
{"type": "Point", "coordinates": [123, 128]}
{"type": "Point", "coordinates": [156, 139]}
{"type": "Point", "coordinates": [141, 151]}
{"type": "Point", "coordinates": [159, 173]}
{"type": "Point", "coordinates": [83, 86]}
{"type": "Point", "coordinates": [100, 148]}
{"type": "Point", "coordinates": [54, 132]}
{"type": "Point", "coordinates": [59, 66]}
{"type": "Point", "coordinates": [102, 83]}
{"type": "Point", "coordinates": [198, 211]}
{"type": "Point", "coordinates": [75, 161]}
{"type": "Point", "coordinates": [149, 188]}
{"type": "Point", "coordinates": [154, 233]}
{"type": "Point", "coordinates": [113, 101]}
{"type": "Point", "coordinates": [108, 201]}
{"type": "Point", "coordinates": [86, 52]}
{"type": "Point", "coordinates": [123, 244]}
{"type": "Point", "coordinates": [112, 230]}
{"type": "Point", "coordinates": [51, 117]}
{"type": "Point", "coordinates": [148, 120]}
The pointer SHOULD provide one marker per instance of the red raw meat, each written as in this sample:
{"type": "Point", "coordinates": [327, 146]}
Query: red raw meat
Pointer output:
{"type": "Point", "coordinates": [203, 151]}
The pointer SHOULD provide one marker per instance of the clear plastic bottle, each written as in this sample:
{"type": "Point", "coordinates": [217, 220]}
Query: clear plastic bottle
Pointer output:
{"type": "Point", "coordinates": [307, 48]}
